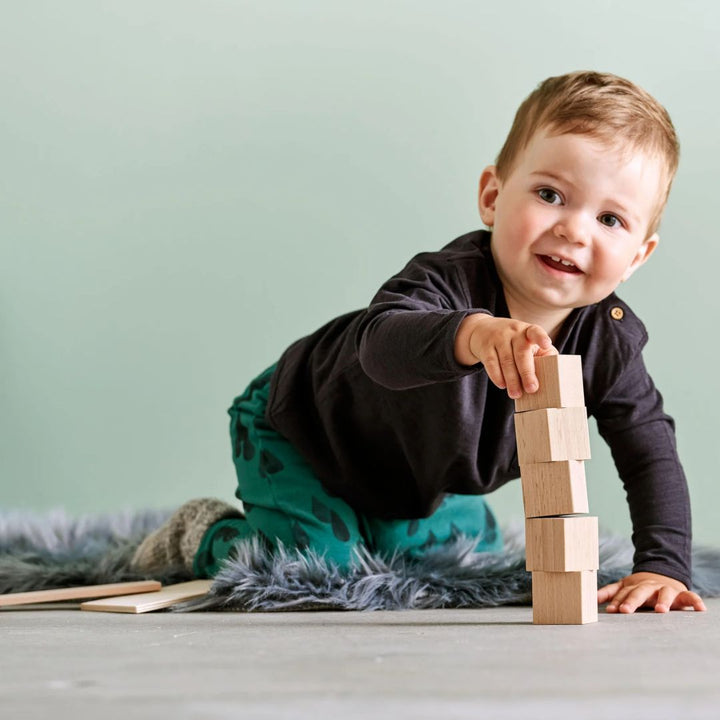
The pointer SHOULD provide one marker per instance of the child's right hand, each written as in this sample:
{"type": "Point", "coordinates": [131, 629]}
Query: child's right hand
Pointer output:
{"type": "Point", "coordinates": [506, 348]}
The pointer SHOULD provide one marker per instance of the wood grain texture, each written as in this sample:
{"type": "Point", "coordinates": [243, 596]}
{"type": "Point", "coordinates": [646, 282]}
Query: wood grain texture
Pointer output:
{"type": "Point", "coordinates": [562, 544]}
{"type": "Point", "coordinates": [167, 596]}
{"type": "Point", "coordinates": [552, 434]}
{"type": "Point", "coordinates": [567, 598]}
{"type": "Point", "coordinates": [79, 593]}
{"type": "Point", "coordinates": [554, 488]}
{"type": "Point", "coordinates": [561, 384]}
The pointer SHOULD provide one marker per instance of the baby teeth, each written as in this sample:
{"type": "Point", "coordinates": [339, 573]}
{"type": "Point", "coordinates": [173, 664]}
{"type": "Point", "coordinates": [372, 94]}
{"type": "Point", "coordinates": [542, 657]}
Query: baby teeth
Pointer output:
{"type": "Point", "coordinates": [564, 262]}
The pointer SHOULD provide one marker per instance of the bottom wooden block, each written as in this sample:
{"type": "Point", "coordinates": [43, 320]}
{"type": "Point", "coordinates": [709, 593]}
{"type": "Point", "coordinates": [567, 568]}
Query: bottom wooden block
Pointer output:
{"type": "Point", "coordinates": [564, 598]}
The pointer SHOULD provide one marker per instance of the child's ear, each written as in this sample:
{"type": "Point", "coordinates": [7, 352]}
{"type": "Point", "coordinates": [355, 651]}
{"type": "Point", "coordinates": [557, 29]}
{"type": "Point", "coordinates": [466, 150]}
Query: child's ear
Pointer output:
{"type": "Point", "coordinates": [642, 255]}
{"type": "Point", "coordinates": [487, 194]}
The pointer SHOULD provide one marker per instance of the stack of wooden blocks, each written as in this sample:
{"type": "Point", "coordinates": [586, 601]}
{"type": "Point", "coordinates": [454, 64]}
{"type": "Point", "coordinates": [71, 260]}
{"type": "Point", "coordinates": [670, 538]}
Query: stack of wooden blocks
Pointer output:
{"type": "Point", "coordinates": [561, 538]}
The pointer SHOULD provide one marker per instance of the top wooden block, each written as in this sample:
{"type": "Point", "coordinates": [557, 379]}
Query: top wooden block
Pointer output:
{"type": "Point", "coordinates": [561, 384]}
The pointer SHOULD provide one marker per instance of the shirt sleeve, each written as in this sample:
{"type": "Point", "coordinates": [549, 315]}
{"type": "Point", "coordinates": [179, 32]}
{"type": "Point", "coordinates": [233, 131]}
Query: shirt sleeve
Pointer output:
{"type": "Point", "coordinates": [407, 337]}
{"type": "Point", "coordinates": [642, 440]}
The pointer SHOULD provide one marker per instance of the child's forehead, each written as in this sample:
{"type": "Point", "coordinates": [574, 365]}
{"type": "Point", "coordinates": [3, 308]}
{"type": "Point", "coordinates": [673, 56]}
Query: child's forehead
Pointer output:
{"type": "Point", "coordinates": [555, 147]}
{"type": "Point", "coordinates": [594, 141]}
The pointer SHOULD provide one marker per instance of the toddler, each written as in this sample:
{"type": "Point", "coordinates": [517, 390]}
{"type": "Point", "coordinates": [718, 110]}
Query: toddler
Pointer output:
{"type": "Point", "coordinates": [386, 428]}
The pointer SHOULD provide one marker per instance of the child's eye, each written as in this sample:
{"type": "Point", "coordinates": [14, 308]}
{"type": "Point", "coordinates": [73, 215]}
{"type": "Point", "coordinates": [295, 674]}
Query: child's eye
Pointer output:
{"type": "Point", "coordinates": [549, 196]}
{"type": "Point", "coordinates": [610, 220]}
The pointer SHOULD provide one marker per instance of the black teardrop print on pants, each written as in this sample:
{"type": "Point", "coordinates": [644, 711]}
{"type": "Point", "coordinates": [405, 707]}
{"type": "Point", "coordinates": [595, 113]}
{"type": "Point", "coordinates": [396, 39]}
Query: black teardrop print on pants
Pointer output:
{"type": "Point", "coordinates": [490, 534]}
{"type": "Point", "coordinates": [302, 539]}
{"type": "Point", "coordinates": [265, 540]}
{"type": "Point", "coordinates": [248, 447]}
{"type": "Point", "coordinates": [413, 527]}
{"type": "Point", "coordinates": [227, 534]}
{"type": "Point", "coordinates": [340, 529]}
{"type": "Point", "coordinates": [430, 542]}
{"type": "Point", "coordinates": [241, 438]}
{"type": "Point", "coordinates": [320, 511]}
{"type": "Point", "coordinates": [269, 464]}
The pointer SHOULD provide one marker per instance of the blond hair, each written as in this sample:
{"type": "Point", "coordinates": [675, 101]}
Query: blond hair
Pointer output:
{"type": "Point", "coordinates": [604, 106]}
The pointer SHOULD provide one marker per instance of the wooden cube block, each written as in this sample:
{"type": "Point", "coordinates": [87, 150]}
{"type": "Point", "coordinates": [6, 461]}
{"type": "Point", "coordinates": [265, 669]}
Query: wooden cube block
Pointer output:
{"type": "Point", "coordinates": [564, 598]}
{"type": "Point", "coordinates": [552, 434]}
{"type": "Point", "coordinates": [554, 488]}
{"type": "Point", "coordinates": [562, 544]}
{"type": "Point", "coordinates": [561, 384]}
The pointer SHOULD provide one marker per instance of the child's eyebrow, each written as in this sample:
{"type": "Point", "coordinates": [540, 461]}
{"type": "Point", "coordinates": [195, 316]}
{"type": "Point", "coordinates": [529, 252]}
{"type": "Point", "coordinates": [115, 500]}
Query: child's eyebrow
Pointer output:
{"type": "Point", "coordinates": [550, 174]}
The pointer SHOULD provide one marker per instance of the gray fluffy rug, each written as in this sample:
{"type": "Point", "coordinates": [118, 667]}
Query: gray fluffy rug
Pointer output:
{"type": "Point", "coordinates": [54, 550]}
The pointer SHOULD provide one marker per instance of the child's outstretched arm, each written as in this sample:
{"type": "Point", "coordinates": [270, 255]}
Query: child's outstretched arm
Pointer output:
{"type": "Point", "coordinates": [646, 589]}
{"type": "Point", "coordinates": [506, 349]}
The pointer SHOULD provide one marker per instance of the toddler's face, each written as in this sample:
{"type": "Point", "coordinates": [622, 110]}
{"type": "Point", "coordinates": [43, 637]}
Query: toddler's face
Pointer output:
{"type": "Point", "coordinates": [570, 222]}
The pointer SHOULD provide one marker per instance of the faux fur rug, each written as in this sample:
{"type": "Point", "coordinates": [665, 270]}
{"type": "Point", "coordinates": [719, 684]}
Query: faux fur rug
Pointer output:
{"type": "Point", "coordinates": [54, 550]}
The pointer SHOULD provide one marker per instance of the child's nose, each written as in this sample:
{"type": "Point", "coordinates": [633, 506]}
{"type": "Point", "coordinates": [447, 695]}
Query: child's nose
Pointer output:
{"type": "Point", "coordinates": [573, 228]}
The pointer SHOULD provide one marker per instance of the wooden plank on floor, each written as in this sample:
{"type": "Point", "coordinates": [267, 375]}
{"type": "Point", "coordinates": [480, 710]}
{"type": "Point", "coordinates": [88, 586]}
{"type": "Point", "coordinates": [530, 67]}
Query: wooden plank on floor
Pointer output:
{"type": "Point", "coordinates": [79, 593]}
{"type": "Point", "coordinates": [147, 602]}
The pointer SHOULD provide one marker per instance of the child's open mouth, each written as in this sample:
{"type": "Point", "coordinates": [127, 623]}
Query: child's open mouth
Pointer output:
{"type": "Point", "coordinates": [557, 264]}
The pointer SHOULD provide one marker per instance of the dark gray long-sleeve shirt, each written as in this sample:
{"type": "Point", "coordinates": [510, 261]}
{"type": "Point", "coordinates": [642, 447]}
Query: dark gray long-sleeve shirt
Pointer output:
{"type": "Point", "coordinates": [390, 422]}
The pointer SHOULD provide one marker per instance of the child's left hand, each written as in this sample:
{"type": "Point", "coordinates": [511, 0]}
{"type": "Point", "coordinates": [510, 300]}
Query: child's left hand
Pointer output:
{"type": "Point", "coordinates": [649, 590]}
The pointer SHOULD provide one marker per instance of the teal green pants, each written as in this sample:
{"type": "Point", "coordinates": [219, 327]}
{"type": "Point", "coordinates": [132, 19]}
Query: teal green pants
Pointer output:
{"type": "Point", "coordinates": [284, 502]}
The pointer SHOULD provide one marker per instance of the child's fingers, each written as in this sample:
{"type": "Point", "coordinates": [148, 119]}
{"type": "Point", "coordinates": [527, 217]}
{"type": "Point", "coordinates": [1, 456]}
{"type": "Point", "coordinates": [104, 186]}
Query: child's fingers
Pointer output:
{"type": "Point", "coordinates": [688, 598]}
{"type": "Point", "coordinates": [636, 598]}
{"type": "Point", "coordinates": [536, 342]}
{"type": "Point", "coordinates": [525, 367]}
{"type": "Point", "coordinates": [665, 598]}
{"type": "Point", "coordinates": [537, 336]}
{"type": "Point", "coordinates": [492, 368]}
{"type": "Point", "coordinates": [552, 350]}
{"type": "Point", "coordinates": [510, 373]}
{"type": "Point", "coordinates": [607, 592]}
{"type": "Point", "coordinates": [618, 599]}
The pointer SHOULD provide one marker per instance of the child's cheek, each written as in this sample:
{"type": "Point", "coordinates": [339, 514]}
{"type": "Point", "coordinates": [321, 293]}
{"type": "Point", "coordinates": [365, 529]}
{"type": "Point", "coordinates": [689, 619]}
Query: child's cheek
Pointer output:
{"type": "Point", "coordinates": [518, 225]}
{"type": "Point", "coordinates": [525, 228]}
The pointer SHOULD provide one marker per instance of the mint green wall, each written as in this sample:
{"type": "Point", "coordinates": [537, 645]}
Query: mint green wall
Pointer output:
{"type": "Point", "coordinates": [187, 187]}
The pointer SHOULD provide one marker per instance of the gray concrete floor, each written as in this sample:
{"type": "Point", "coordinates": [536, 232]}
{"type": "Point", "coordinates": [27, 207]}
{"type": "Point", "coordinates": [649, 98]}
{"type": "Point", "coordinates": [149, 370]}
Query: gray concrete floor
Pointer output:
{"type": "Point", "coordinates": [439, 664]}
